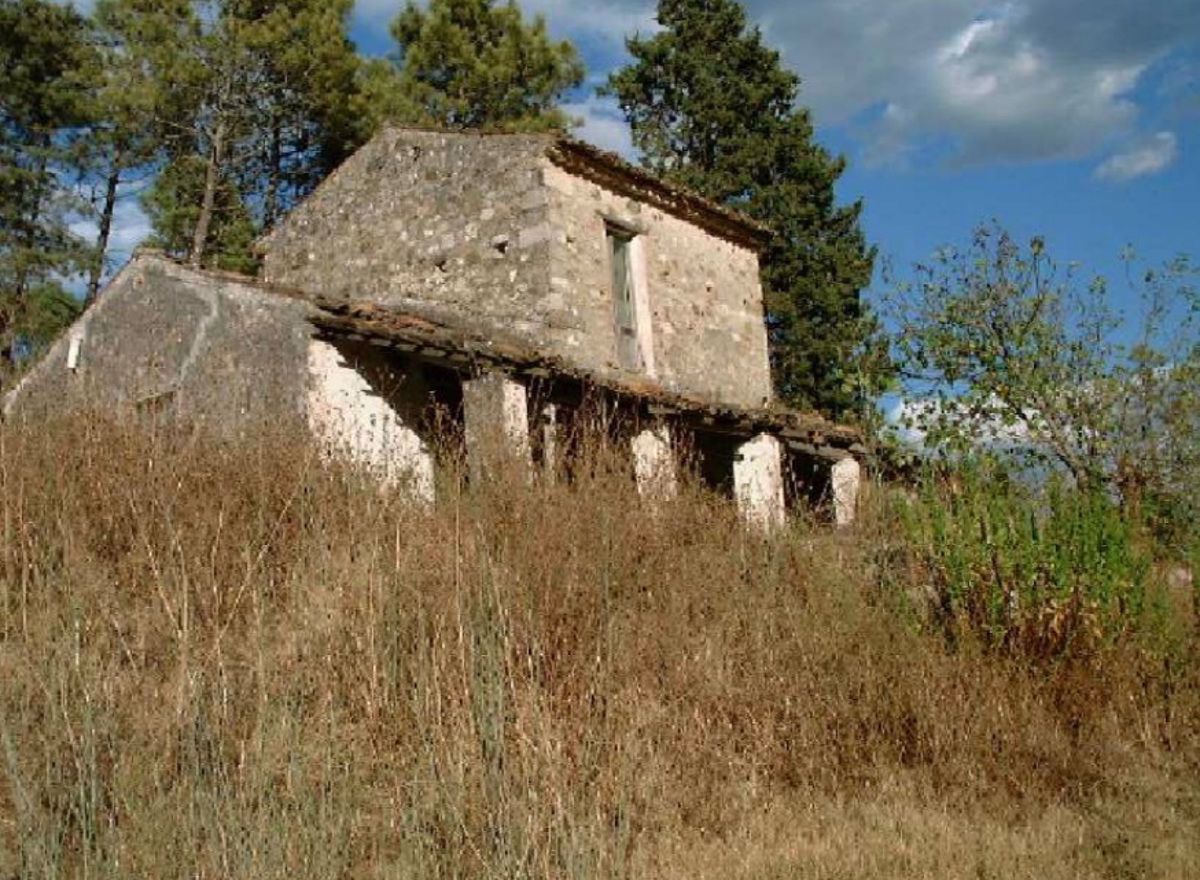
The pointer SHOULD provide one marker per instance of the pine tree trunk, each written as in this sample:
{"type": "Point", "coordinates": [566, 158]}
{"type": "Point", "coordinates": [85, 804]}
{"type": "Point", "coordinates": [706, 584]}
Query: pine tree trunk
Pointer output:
{"type": "Point", "coordinates": [271, 206]}
{"type": "Point", "coordinates": [106, 218]}
{"type": "Point", "coordinates": [216, 156]}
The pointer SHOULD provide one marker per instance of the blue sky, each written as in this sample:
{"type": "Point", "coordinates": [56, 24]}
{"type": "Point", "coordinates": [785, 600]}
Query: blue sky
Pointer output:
{"type": "Point", "coordinates": [1075, 119]}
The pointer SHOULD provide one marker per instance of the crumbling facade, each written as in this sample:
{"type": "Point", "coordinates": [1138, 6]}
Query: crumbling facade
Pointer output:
{"type": "Point", "coordinates": [502, 278]}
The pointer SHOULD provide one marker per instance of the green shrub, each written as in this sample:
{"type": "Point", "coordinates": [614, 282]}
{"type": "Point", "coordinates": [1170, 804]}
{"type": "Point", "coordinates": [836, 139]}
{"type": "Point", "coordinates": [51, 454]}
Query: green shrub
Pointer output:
{"type": "Point", "coordinates": [1040, 571]}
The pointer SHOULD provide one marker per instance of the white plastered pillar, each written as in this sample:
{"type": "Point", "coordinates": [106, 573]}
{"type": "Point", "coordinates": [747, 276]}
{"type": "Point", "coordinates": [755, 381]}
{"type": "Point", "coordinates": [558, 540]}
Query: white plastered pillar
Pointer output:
{"type": "Point", "coordinates": [496, 412]}
{"type": "Point", "coordinates": [758, 482]}
{"type": "Point", "coordinates": [845, 481]}
{"type": "Point", "coordinates": [654, 463]}
{"type": "Point", "coordinates": [551, 442]}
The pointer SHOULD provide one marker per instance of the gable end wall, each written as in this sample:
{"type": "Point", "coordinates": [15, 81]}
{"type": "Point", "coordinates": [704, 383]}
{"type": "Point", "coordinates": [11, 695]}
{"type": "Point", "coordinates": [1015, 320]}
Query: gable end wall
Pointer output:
{"type": "Point", "coordinates": [453, 220]}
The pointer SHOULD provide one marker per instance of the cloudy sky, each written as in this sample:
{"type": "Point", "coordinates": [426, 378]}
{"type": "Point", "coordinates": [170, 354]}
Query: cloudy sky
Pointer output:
{"type": "Point", "coordinates": [1075, 119]}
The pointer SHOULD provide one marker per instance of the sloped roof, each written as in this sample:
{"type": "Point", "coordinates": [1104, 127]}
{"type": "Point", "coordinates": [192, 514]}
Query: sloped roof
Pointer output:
{"type": "Point", "coordinates": [468, 347]}
{"type": "Point", "coordinates": [614, 172]}
{"type": "Point", "coordinates": [457, 341]}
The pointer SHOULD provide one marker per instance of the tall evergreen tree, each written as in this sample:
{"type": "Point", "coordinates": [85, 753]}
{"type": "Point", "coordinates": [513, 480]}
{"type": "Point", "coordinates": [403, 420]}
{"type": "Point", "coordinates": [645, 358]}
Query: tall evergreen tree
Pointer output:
{"type": "Point", "coordinates": [311, 114]}
{"type": "Point", "coordinates": [475, 64]}
{"type": "Point", "coordinates": [43, 107]}
{"type": "Point", "coordinates": [713, 108]}
{"type": "Point", "coordinates": [259, 104]}
{"type": "Point", "coordinates": [123, 141]}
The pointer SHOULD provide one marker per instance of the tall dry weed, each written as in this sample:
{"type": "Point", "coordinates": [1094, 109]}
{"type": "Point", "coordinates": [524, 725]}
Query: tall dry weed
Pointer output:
{"type": "Point", "coordinates": [231, 659]}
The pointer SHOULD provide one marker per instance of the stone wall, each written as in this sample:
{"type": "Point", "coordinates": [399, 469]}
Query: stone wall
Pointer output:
{"type": "Point", "coordinates": [163, 337]}
{"type": "Point", "coordinates": [488, 230]}
{"type": "Point", "coordinates": [703, 297]}
{"type": "Point", "coordinates": [453, 220]}
{"type": "Point", "coordinates": [165, 340]}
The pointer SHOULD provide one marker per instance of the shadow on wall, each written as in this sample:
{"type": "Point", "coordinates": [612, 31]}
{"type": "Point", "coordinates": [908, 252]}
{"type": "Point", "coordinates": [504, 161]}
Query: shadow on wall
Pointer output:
{"type": "Point", "coordinates": [391, 417]}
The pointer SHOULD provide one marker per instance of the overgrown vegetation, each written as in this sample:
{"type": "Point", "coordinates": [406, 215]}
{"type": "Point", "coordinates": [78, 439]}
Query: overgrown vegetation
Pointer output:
{"type": "Point", "coordinates": [230, 659]}
{"type": "Point", "coordinates": [1003, 347]}
{"type": "Point", "coordinates": [1040, 573]}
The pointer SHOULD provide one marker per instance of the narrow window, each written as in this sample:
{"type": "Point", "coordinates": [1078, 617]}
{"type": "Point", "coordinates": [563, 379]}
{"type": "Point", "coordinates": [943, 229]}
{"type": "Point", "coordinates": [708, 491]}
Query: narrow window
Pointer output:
{"type": "Point", "coordinates": [73, 352]}
{"type": "Point", "coordinates": [620, 248]}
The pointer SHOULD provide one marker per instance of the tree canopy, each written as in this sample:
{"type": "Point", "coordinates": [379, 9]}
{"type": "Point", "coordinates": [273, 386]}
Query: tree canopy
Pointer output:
{"type": "Point", "coordinates": [256, 101]}
{"type": "Point", "coordinates": [44, 52]}
{"type": "Point", "coordinates": [1001, 346]}
{"type": "Point", "coordinates": [713, 108]}
{"type": "Point", "coordinates": [475, 64]}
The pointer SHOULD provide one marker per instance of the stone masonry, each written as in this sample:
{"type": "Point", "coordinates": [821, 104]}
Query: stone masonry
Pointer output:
{"type": "Point", "coordinates": [505, 229]}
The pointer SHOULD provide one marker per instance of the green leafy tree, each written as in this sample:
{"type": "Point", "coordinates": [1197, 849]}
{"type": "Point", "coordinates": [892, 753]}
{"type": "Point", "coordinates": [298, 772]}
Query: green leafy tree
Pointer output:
{"type": "Point", "coordinates": [474, 64]}
{"type": "Point", "coordinates": [260, 102]}
{"type": "Point", "coordinates": [712, 108]}
{"type": "Point", "coordinates": [43, 107]}
{"type": "Point", "coordinates": [1004, 348]}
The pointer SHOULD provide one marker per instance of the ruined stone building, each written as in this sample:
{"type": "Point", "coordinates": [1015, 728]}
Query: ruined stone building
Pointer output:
{"type": "Point", "coordinates": [505, 278]}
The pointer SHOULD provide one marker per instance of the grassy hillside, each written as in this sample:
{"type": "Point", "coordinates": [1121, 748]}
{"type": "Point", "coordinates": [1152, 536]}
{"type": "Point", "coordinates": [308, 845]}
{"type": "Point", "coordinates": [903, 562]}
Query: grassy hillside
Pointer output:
{"type": "Point", "coordinates": [232, 661]}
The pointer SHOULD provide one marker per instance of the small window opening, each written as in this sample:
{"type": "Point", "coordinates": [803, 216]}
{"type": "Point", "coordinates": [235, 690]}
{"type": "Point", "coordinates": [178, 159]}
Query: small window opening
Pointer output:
{"type": "Point", "coordinates": [74, 351]}
{"type": "Point", "coordinates": [621, 251]}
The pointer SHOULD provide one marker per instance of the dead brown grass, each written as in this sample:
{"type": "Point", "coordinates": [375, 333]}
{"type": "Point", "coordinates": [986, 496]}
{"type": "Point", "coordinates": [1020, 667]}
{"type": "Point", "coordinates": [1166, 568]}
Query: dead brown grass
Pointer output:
{"type": "Point", "coordinates": [230, 660]}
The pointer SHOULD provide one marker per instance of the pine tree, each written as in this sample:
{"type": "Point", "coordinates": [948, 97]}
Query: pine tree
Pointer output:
{"type": "Point", "coordinates": [475, 64]}
{"type": "Point", "coordinates": [311, 112]}
{"type": "Point", "coordinates": [174, 204]}
{"type": "Point", "coordinates": [712, 108]}
{"type": "Point", "coordinates": [260, 102]}
{"type": "Point", "coordinates": [123, 141]}
{"type": "Point", "coordinates": [43, 107]}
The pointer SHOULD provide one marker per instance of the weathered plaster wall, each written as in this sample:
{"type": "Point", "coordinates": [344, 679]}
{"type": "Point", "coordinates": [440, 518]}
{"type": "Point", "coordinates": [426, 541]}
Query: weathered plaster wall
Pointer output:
{"type": "Point", "coordinates": [362, 407]}
{"type": "Point", "coordinates": [163, 337]}
{"type": "Point", "coordinates": [845, 482]}
{"type": "Point", "coordinates": [496, 416]}
{"type": "Point", "coordinates": [654, 464]}
{"type": "Point", "coordinates": [455, 220]}
{"type": "Point", "coordinates": [703, 297]}
{"type": "Point", "coordinates": [758, 482]}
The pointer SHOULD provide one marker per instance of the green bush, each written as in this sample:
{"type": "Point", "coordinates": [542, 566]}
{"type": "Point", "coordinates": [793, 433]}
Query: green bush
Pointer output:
{"type": "Point", "coordinates": [1042, 571]}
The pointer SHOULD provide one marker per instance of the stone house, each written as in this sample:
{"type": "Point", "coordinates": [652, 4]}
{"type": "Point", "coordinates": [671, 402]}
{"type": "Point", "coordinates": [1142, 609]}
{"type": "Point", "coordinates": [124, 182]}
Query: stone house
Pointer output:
{"type": "Point", "coordinates": [504, 278]}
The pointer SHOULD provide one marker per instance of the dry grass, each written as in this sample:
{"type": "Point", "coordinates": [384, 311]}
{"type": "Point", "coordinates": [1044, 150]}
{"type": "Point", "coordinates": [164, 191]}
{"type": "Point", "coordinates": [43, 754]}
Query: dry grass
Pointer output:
{"type": "Point", "coordinates": [229, 660]}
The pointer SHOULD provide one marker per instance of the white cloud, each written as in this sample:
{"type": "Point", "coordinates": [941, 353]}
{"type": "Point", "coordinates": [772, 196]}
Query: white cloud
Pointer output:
{"type": "Point", "coordinates": [1147, 156]}
{"type": "Point", "coordinates": [1022, 80]}
{"type": "Point", "coordinates": [995, 80]}
{"type": "Point", "coordinates": [603, 125]}
{"type": "Point", "coordinates": [904, 417]}
{"type": "Point", "coordinates": [992, 80]}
